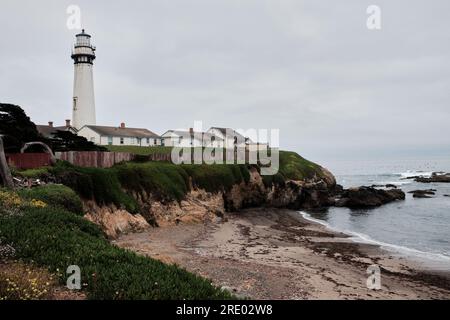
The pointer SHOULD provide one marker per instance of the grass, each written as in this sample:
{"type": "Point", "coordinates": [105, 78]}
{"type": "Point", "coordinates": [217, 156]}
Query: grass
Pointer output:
{"type": "Point", "coordinates": [58, 195]}
{"type": "Point", "coordinates": [166, 181]}
{"type": "Point", "coordinates": [54, 238]}
{"type": "Point", "coordinates": [143, 151]}
{"type": "Point", "coordinates": [33, 173]}
{"type": "Point", "coordinates": [20, 281]}
{"type": "Point", "coordinates": [295, 167]}
{"type": "Point", "coordinates": [100, 185]}
{"type": "Point", "coordinates": [58, 239]}
{"type": "Point", "coordinates": [219, 177]}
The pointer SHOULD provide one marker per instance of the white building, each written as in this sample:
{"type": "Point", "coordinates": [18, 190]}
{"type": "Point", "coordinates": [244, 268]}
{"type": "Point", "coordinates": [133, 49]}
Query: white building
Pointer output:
{"type": "Point", "coordinates": [120, 136]}
{"type": "Point", "coordinates": [83, 102]}
{"type": "Point", "coordinates": [232, 138]}
{"type": "Point", "coordinates": [189, 138]}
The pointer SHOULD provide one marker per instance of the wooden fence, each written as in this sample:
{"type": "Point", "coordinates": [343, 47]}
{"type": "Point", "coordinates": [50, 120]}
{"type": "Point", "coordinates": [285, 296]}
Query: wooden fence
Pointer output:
{"type": "Point", "coordinates": [24, 161]}
{"type": "Point", "coordinates": [99, 159]}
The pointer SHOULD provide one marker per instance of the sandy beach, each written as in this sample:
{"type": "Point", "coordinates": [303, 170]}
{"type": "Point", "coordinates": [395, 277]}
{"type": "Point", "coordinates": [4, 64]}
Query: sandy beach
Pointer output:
{"type": "Point", "coordinates": [277, 254]}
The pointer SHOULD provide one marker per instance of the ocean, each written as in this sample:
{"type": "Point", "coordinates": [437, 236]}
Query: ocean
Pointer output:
{"type": "Point", "coordinates": [417, 228]}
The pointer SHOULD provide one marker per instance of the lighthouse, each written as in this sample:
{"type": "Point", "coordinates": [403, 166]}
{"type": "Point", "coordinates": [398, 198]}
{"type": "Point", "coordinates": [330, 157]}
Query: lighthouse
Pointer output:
{"type": "Point", "coordinates": [83, 104]}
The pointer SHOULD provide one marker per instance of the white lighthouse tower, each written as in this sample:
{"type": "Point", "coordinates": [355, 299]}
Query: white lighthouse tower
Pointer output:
{"type": "Point", "coordinates": [83, 55]}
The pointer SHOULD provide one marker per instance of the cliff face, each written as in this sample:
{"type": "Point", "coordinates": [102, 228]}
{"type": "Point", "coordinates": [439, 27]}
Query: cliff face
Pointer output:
{"type": "Point", "coordinates": [200, 206]}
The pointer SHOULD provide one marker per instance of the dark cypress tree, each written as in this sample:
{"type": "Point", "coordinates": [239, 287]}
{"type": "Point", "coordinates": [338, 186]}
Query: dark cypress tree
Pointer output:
{"type": "Point", "coordinates": [16, 128]}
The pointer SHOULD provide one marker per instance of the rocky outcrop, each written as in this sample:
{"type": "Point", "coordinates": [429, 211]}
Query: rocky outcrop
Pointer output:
{"type": "Point", "coordinates": [114, 221]}
{"type": "Point", "coordinates": [317, 192]}
{"type": "Point", "coordinates": [197, 206]}
{"type": "Point", "coordinates": [368, 197]}
{"type": "Point", "coordinates": [423, 193]}
{"type": "Point", "coordinates": [435, 177]}
{"type": "Point", "coordinates": [200, 206]}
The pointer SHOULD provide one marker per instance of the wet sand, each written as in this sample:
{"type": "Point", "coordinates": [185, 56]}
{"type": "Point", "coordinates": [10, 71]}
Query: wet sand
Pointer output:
{"type": "Point", "coordinates": [277, 254]}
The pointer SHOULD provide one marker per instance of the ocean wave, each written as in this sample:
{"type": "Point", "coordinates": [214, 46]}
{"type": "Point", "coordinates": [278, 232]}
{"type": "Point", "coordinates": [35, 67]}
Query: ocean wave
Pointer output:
{"type": "Point", "coordinates": [413, 173]}
{"type": "Point", "coordinates": [366, 239]}
{"type": "Point", "coordinates": [397, 183]}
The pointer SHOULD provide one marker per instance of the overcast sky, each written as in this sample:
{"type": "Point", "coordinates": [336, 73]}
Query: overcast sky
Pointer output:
{"type": "Point", "coordinates": [309, 68]}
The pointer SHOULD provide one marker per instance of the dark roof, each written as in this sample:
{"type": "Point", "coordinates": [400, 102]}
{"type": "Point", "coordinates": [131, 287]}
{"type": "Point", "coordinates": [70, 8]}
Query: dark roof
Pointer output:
{"type": "Point", "coordinates": [123, 132]}
{"type": "Point", "coordinates": [83, 34]}
{"type": "Point", "coordinates": [186, 133]}
{"type": "Point", "coordinates": [48, 131]}
{"type": "Point", "coordinates": [224, 132]}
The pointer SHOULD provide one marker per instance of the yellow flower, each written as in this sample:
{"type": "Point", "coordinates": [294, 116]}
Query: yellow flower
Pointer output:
{"type": "Point", "coordinates": [38, 203]}
{"type": "Point", "coordinates": [10, 199]}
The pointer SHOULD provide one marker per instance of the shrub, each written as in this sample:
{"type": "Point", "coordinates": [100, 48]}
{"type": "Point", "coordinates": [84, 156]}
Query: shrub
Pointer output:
{"type": "Point", "coordinates": [55, 195]}
{"type": "Point", "coordinates": [107, 189]}
{"type": "Point", "coordinates": [101, 185]}
{"type": "Point", "coordinates": [143, 151]}
{"type": "Point", "coordinates": [56, 239]}
{"type": "Point", "coordinates": [37, 173]}
{"type": "Point", "coordinates": [214, 178]}
{"type": "Point", "coordinates": [295, 167]}
{"type": "Point", "coordinates": [166, 181]}
{"type": "Point", "coordinates": [11, 203]}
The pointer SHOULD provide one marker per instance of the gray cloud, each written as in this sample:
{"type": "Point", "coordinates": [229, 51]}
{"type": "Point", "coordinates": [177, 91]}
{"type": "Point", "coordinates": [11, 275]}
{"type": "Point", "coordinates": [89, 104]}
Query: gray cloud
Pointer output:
{"type": "Point", "coordinates": [309, 68]}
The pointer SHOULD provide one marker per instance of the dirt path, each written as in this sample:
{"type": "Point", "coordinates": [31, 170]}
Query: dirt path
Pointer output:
{"type": "Point", "coordinates": [276, 254]}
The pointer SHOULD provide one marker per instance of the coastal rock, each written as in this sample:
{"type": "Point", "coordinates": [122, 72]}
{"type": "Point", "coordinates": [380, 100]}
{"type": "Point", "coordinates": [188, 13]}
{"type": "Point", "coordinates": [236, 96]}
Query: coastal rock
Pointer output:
{"type": "Point", "coordinates": [198, 206]}
{"type": "Point", "coordinates": [435, 177]}
{"type": "Point", "coordinates": [368, 197]}
{"type": "Point", "coordinates": [113, 221]}
{"type": "Point", "coordinates": [423, 193]}
{"type": "Point", "coordinates": [246, 195]}
{"type": "Point", "coordinates": [387, 186]}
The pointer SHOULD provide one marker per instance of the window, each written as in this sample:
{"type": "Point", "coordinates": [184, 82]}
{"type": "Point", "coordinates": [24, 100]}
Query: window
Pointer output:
{"type": "Point", "coordinates": [121, 140]}
{"type": "Point", "coordinates": [155, 142]}
{"type": "Point", "coordinates": [148, 140]}
{"type": "Point", "coordinates": [92, 139]}
{"type": "Point", "coordinates": [110, 141]}
{"type": "Point", "coordinates": [138, 141]}
{"type": "Point", "coordinates": [162, 142]}
{"type": "Point", "coordinates": [180, 139]}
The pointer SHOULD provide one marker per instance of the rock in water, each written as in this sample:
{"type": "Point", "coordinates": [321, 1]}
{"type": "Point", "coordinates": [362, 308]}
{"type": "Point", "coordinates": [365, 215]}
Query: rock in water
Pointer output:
{"type": "Point", "coordinates": [423, 193]}
{"type": "Point", "coordinates": [435, 177]}
{"type": "Point", "coordinates": [368, 197]}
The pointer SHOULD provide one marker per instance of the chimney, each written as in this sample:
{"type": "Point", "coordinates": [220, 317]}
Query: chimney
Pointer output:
{"type": "Point", "coordinates": [67, 123]}
{"type": "Point", "coordinates": [122, 125]}
{"type": "Point", "coordinates": [50, 124]}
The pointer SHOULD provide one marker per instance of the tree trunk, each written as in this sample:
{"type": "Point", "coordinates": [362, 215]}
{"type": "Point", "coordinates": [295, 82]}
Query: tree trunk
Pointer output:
{"type": "Point", "coordinates": [46, 147]}
{"type": "Point", "coordinates": [5, 173]}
